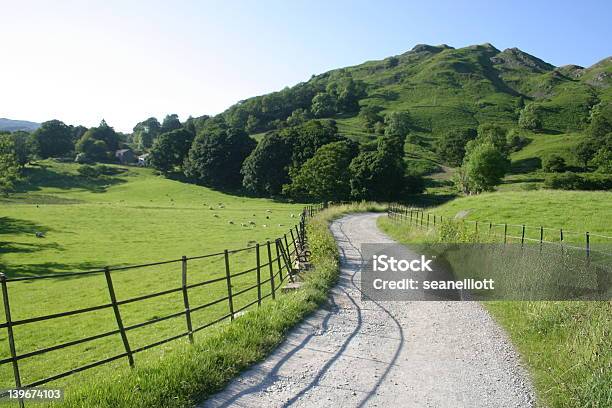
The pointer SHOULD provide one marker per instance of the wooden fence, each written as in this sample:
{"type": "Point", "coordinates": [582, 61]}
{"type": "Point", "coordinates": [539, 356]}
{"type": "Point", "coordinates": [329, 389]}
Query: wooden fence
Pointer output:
{"type": "Point", "coordinates": [273, 263]}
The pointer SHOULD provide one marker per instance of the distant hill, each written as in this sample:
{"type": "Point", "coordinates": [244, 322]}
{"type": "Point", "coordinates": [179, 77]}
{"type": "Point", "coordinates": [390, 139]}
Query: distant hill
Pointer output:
{"type": "Point", "coordinates": [14, 125]}
{"type": "Point", "coordinates": [441, 88]}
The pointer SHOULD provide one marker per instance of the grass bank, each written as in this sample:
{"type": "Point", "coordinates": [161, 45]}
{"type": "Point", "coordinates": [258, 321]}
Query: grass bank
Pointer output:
{"type": "Point", "coordinates": [186, 374]}
{"type": "Point", "coordinates": [567, 346]}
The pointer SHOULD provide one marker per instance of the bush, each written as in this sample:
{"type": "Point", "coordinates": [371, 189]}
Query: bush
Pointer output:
{"type": "Point", "coordinates": [89, 171]}
{"type": "Point", "coordinates": [553, 164]}
{"type": "Point", "coordinates": [573, 181]}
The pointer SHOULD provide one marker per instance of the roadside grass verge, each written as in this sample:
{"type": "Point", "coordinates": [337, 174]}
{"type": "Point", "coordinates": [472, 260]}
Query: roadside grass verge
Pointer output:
{"type": "Point", "coordinates": [185, 374]}
{"type": "Point", "coordinates": [567, 345]}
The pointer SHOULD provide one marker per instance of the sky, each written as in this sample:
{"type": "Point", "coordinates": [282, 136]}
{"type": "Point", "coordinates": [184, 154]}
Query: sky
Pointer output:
{"type": "Point", "coordinates": [124, 61]}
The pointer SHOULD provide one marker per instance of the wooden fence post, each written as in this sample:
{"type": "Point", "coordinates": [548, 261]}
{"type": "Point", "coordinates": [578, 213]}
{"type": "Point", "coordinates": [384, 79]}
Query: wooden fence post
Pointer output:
{"type": "Point", "coordinates": [523, 236]}
{"type": "Point", "coordinates": [258, 260]}
{"type": "Point", "coordinates": [228, 278]}
{"type": "Point", "coordinates": [11, 336]}
{"type": "Point", "coordinates": [541, 237]}
{"type": "Point", "coordinates": [186, 298]}
{"type": "Point", "coordinates": [588, 245]}
{"type": "Point", "coordinates": [280, 268]}
{"type": "Point", "coordinates": [505, 233]}
{"type": "Point", "coordinates": [287, 248]}
{"type": "Point", "coordinates": [111, 291]}
{"type": "Point", "coordinates": [271, 267]}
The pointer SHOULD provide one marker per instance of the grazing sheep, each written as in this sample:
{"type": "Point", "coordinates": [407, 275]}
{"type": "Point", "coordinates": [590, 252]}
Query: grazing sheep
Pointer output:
{"type": "Point", "coordinates": [268, 211]}
{"type": "Point", "coordinates": [40, 235]}
{"type": "Point", "coordinates": [280, 225]}
{"type": "Point", "coordinates": [264, 225]}
{"type": "Point", "coordinates": [242, 224]}
{"type": "Point", "coordinates": [292, 215]}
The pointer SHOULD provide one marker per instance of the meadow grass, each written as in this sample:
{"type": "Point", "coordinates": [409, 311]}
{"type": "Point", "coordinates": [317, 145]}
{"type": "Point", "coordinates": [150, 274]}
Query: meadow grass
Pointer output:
{"type": "Point", "coordinates": [134, 217]}
{"type": "Point", "coordinates": [186, 374]}
{"type": "Point", "coordinates": [565, 344]}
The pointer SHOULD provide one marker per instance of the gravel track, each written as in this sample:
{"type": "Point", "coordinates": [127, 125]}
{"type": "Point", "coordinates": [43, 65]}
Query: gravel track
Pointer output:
{"type": "Point", "coordinates": [356, 353]}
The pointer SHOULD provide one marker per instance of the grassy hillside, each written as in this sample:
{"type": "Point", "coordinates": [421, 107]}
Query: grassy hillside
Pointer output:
{"type": "Point", "coordinates": [133, 217]}
{"type": "Point", "coordinates": [566, 345]}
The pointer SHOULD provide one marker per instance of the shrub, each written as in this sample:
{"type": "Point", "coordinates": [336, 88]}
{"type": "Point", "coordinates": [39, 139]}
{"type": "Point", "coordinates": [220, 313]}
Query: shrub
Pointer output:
{"type": "Point", "coordinates": [89, 171]}
{"type": "Point", "coordinates": [553, 164]}
{"type": "Point", "coordinates": [573, 181]}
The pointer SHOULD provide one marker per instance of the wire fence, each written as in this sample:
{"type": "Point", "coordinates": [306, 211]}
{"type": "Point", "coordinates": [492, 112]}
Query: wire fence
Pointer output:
{"type": "Point", "coordinates": [587, 244]}
{"type": "Point", "coordinates": [241, 279]}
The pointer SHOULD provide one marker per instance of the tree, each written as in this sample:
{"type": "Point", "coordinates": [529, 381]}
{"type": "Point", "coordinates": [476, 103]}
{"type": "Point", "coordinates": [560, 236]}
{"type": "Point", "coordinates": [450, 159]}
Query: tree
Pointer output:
{"type": "Point", "coordinates": [171, 122]}
{"type": "Point", "coordinates": [98, 143]}
{"type": "Point", "coordinates": [298, 117]}
{"type": "Point", "coordinates": [22, 146]}
{"type": "Point", "coordinates": [553, 163]}
{"type": "Point", "coordinates": [9, 165]}
{"type": "Point", "coordinates": [603, 160]}
{"type": "Point", "coordinates": [309, 137]}
{"type": "Point", "coordinates": [397, 124]}
{"type": "Point", "coordinates": [585, 151]}
{"type": "Point", "coordinates": [146, 132]}
{"type": "Point", "coordinates": [92, 148]}
{"type": "Point", "coordinates": [170, 150]}
{"type": "Point", "coordinates": [216, 156]}
{"type": "Point", "coordinates": [381, 174]}
{"type": "Point", "coordinates": [451, 145]}
{"type": "Point", "coordinates": [369, 114]}
{"type": "Point", "coordinates": [323, 105]}
{"type": "Point", "coordinates": [530, 117]}
{"type": "Point", "coordinates": [267, 167]}
{"type": "Point", "coordinates": [495, 135]}
{"type": "Point", "coordinates": [252, 124]}
{"type": "Point", "coordinates": [326, 175]}
{"type": "Point", "coordinates": [483, 168]}
{"type": "Point", "coordinates": [52, 139]}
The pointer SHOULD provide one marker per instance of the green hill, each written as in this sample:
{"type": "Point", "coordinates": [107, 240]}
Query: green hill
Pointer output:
{"type": "Point", "coordinates": [443, 88]}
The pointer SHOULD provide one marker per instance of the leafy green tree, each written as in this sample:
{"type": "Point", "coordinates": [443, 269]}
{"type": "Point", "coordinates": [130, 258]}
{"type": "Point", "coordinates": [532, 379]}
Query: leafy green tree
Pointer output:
{"type": "Point", "coordinates": [346, 92]}
{"type": "Point", "coordinates": [22, 146]}
{"type": "Point", "coordinates": [483, 168]}
{"type": "Point", "coordinates": [515, 141]}
{"type": "Point", "coordinates": [216, 156]}
{"type": "Point", "coordinates": [146, 132]}
{"type": "Point", "coordinates": [530, 117]}
{"type": "Point", "coordinates": [267, 167]}
{"type": "Point", "coordinates": [494, 134]}
{"type": "Point", "coordinates": [252, 124]}
{"type": "Point", "coordinates": [9, 165]}
{"type": "Point", "coordinates": [553, 163]}
{"type": "Point", "coordinates": [450, 147]}
{"type": "Point", "coordinates": [298, 117]}
{"type": "Point", "coordinates": [326, 175]}
{"type": "Point", "coordinates": [170, 150]}
{"type": "Point", "coordinates": [397, 124]}
{"type": "Point", "coordinates": [585, 151]}
{"type": "Point", "coordinates": [381, 174]}
{"type": "Point", "coordinates": [369, 114]}
{"type": "Point", "coordinates": [323, 105]}
{"type": "Point", "coordinates": [309, 137]}
{"type": "Point", "coordinates": [92, 148]}
{"type": "Point", "coordinates": [52, 139]}
{"type": "Point", "coordinates": [171, 122]}
{"type": "Point", "coordinates": [603, 160]}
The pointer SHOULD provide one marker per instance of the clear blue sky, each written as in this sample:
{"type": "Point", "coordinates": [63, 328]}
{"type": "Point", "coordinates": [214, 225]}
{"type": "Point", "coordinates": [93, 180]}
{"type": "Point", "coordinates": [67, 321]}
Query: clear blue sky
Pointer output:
{"type": "Point", "coordinates": [127, 60]}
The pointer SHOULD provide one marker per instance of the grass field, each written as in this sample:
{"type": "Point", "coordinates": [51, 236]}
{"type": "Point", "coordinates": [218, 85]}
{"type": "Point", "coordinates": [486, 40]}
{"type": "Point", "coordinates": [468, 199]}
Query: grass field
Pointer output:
{"type": "Point", "coordinates": [133, 217]}
{"type": "Point", "coordinates": [566, 345]}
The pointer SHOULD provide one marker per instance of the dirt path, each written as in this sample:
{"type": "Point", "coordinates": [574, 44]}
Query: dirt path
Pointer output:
{"type": "Point", "coordinates": [354, 353]}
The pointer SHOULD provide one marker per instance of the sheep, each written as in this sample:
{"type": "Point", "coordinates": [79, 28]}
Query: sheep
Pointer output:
{"type": "Point", "coordinates": [242, 224]}
{"type": "Point", "coordinates": [40, 235]}
{"type": "Point", "coordinates": [292, 215]}
{"type": "Point", "coordinates": [264, 225]}
{"type": "Point", "coordinates": [280, 225]}
{"type": "Point", "coordinates": [268, 211]}
{"type": "Point", "coordinates": [252, 222]}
